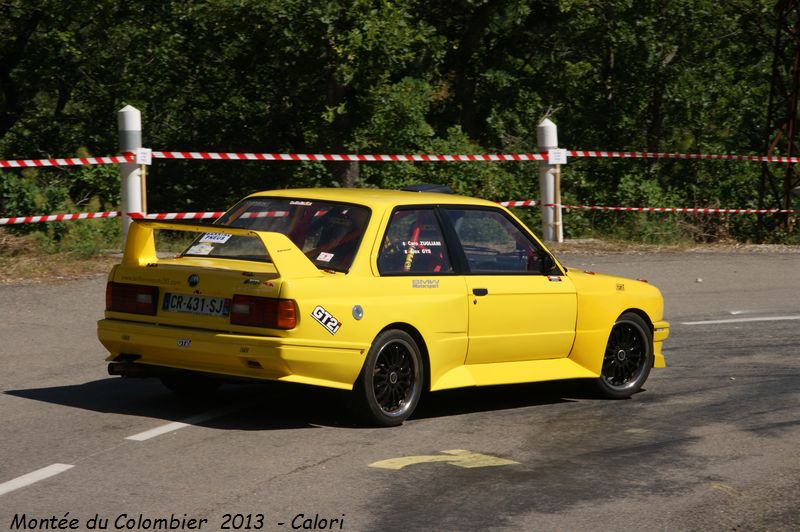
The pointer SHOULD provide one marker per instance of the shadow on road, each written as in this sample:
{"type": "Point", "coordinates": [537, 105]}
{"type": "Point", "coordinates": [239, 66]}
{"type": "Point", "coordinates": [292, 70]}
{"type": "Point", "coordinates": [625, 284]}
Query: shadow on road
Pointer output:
{"type": "Point", "coordinates": [278, 405]}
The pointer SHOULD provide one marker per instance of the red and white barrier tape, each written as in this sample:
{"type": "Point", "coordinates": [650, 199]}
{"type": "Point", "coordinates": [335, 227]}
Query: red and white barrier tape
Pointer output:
{"type": "Point", "coordinates": [73, 161]}
{"type": "Point", "coordinates": [695, 210]}
{"type": "Point", "coordinates": [327, 157]}
{"type": "Point", "coordinates": [525, 203]}
{"type": "Point", "coordinates": [692, 156]}
{"type": "Point", "coordinates": [211, 156]}
{"type": "Point", "coordinates": [57, 218]}
{"type": "Point", "coordinates": [269, 214]}
{"type": "Point", "coordinates": [177, 215]}
{"type": "Point", "coordinates": [204, 215]}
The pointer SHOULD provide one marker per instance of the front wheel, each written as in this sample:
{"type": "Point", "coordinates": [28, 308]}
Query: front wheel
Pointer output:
{"type": "Point", "coordinates": [390, 384]}
{"type": "Point", "coordinates": [628, 357]}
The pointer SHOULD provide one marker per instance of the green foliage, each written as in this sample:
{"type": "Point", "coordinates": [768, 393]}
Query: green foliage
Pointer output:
{"type": "Point", "coordinates": [17, 195]}
{"type": "Point", "coordinates": [24, 194]}
{"type": "Point", "coordinates": [83, 239]}
{"type": "Point", "coordinates": [377, 76]}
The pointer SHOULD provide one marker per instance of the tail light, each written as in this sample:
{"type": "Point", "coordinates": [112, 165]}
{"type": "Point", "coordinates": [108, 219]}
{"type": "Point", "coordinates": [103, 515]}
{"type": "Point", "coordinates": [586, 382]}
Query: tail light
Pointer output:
{"type": "Point", "coordinates": [133, 298]}
{"type": "Point", "coordinates": [263, 312]}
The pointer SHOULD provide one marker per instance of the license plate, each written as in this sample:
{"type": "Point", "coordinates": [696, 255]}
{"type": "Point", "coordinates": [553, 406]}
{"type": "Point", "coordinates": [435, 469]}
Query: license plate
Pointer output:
{"type": "Point", "coordinates": [192, 304]}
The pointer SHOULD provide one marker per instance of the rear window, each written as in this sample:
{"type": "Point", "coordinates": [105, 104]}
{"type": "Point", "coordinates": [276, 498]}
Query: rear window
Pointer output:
{"type": "Point", "coordinates": [328, 233]}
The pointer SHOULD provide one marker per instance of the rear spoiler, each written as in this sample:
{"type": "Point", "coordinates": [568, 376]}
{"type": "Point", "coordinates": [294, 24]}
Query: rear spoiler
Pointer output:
{"type": "Point", "coordinates": [288, 259]}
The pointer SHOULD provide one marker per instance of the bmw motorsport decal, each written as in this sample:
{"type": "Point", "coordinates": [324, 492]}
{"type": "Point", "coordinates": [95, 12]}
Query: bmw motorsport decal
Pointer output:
{"type": "Point", "coordinates": [326, 319]}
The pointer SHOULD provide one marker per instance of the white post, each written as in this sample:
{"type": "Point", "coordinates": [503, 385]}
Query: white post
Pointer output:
{"type": "Point", "coordinates": [547, 138]}
{"type": "Point", "coordinates": [129, 121]}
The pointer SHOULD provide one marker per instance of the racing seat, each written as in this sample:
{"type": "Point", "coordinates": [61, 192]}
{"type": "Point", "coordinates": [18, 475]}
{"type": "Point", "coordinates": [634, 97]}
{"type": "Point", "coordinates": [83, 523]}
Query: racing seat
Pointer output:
{"type": "Point", "coordinates": [425, 251]}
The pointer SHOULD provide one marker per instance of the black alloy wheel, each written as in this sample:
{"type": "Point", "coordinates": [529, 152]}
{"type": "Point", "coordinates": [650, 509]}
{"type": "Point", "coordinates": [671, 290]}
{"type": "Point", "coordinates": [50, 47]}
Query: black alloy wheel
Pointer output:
{"type": "Point", "coordinates": [628, 357]}
{"type": "Point", "coordinates": [390, 383]}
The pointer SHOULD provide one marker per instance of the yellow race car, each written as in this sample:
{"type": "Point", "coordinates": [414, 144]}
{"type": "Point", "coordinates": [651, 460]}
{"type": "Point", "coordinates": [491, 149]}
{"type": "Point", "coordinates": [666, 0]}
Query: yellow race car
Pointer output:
{"type": "Point", "coordinates": [385, 293]}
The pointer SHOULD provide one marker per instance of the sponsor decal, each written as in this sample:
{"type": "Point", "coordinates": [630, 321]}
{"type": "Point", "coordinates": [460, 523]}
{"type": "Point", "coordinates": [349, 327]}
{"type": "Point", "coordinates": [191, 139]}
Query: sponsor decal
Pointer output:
{"type": "Point", "coordinates": [554, 278]}
{"type": "Point", "coordinates": [216, 238]}
{"type": "Point", "coordinates": [424, 283]}
{"type": "Point", "coordinates": [200, 249]}
{"type": "Point", "coordinates": [150, 280]}
{"type": "Point", "coordinates": [620, 287]}
{"type": "Point", "coordinates": [300, 203]}
{"type": "Point", "coordinates": [421, 247]}
{"type": "Point", "coordinates": [325, 257]}
{"type": "Point", "coordinates": [326, 319]}
{"type": "Point", "coordinates": [184, 342]}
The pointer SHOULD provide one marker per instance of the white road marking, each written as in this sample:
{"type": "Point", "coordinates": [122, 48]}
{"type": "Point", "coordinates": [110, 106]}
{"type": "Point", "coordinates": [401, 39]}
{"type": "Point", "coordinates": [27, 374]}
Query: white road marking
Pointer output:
{"type": "Point", "coordinates": [31, 478]}
{"type": "Point", "coordinates": [741, 320]}
{"type": "Point", "coordinates": [189, 421]}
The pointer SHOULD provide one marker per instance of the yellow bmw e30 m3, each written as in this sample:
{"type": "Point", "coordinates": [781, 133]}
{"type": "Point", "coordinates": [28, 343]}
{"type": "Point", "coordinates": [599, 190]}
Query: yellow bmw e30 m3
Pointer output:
{"type": "Point", "coordinates": [381, 292]}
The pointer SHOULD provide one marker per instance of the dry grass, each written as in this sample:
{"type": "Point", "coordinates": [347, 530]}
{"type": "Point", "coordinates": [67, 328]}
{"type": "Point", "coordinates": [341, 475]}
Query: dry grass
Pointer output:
{"type": "Point", "coordinates": [23, 262]}
{"type": "Point", "coordinates": [27, 269]}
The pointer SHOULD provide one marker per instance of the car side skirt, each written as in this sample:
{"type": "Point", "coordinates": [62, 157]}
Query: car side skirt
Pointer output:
{"type": "Point", "coordinates": [512, 373]}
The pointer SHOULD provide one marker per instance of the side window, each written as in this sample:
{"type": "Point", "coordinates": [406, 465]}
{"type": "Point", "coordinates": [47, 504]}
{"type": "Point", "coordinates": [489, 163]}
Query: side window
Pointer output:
{"type": "Point", "coordinates": [413, 244]}
{"type": "Point", "coordinates": [493, 244]}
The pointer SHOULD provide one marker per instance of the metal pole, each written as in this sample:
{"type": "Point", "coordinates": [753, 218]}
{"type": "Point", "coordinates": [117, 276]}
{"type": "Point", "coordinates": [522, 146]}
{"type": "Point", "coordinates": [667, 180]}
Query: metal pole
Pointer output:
{"type": "Point", "coordinates": [558, 222]}
{"type": "Point", "coordinates": [129, 122]}
{"type": "Point", "coordinates": [547, 139]}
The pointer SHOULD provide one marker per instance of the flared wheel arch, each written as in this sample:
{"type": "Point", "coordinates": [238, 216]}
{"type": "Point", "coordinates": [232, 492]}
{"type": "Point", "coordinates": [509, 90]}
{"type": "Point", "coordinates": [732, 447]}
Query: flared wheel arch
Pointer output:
{"type": "Point", "coordinates": [639, 312]}
{"type": "Point", "coordinates": [423, 349]}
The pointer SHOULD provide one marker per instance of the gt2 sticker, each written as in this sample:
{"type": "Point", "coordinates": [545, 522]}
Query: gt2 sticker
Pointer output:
{"type": "Point", "coordinates": [326, 319]}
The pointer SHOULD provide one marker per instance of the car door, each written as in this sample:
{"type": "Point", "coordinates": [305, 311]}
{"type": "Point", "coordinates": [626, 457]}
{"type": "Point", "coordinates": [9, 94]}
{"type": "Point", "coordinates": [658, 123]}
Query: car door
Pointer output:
{"type": "Point", "coordinates": [517, 310]}
{"type": "Point", "coordinates": [420, 286]}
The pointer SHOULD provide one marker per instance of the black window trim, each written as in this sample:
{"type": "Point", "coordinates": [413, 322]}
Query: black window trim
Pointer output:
{"type": "Point", "coordinates": [451, 232]}
{"type": "Point", "coordinates": [449, 243]}
{"type": "Point", "coordinates": [268, 260]}
{"type": "Point", "coordinates": [458, 259]}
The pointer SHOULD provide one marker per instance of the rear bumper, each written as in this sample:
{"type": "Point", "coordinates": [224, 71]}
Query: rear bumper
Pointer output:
{"type": "Point", "coordinates": [255, 357]}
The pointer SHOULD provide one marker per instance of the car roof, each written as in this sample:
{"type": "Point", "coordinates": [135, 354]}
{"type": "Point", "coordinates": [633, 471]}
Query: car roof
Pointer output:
{"type": "Point", "coordinates": [374, 197]}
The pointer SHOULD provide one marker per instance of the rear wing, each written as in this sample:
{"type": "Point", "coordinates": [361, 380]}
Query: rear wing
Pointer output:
{"type": "Point", "coordinates": [288, 259]}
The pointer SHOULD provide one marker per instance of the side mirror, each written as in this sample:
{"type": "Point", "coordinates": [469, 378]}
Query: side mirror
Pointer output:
{"type": "Point", "coordinates": [542, 263]}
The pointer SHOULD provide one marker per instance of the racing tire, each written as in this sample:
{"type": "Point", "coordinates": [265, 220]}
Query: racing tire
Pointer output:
{"type": "Point", "coordinates": [390, 384]}
{"type": "Point", "coordinates": [628, 357]}
{"type": "Point", "coordinates": [188, 384]}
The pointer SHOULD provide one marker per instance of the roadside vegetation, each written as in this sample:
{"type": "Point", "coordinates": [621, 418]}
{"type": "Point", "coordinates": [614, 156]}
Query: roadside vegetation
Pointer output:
{"type": "Point", "coordinates": [374, 76]}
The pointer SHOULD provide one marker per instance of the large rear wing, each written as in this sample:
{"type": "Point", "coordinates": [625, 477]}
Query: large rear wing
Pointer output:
{"type": "Point", "coordinates": [288, 259]}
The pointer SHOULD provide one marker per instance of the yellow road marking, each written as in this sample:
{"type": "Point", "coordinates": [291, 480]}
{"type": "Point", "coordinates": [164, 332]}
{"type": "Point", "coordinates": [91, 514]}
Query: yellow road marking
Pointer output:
{"type": "Point", "coordinates": [719, 486]}
{"type": "Point", "coordinates": [456, 457]}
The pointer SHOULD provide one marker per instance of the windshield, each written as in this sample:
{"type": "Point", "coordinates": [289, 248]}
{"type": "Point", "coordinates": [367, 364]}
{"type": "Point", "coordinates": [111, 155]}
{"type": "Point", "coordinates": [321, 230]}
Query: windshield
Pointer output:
{"type": "Point", "coordinates": [328, 233]}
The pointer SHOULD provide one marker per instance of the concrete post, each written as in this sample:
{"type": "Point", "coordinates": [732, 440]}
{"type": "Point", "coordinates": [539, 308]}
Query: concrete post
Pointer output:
{"type": "Point", "coordinates": [129, 122]}
{"type": "Point", "coordinates": [547, 139]}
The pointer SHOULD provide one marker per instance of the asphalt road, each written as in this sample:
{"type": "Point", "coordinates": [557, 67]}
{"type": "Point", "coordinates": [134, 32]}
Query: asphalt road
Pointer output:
{"type": "Point", "coordinates": [712, 443]}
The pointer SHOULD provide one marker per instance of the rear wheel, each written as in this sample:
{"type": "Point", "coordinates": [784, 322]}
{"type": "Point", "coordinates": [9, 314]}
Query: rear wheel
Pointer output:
{"type": "Point", "coordinates": [190, 384]}
{"type": "Point", "coordinates": [390, 384]}
{"type": "Point", "coordinates": [628, 357]}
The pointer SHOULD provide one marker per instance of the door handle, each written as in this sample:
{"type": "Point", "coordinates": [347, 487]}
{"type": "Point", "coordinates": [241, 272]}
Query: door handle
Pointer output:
{"type": "Point", "coordinates": [480, 291]}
